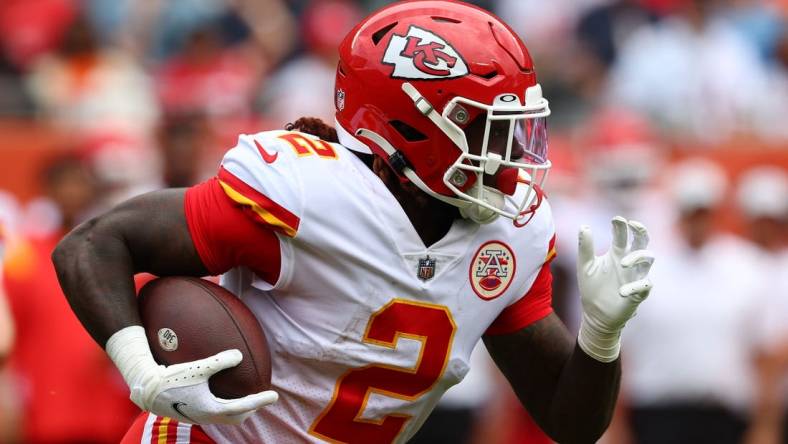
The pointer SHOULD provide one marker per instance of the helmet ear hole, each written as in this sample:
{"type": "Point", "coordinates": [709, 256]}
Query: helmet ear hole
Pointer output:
{"type": "Point", "coordinates": [407, 132]}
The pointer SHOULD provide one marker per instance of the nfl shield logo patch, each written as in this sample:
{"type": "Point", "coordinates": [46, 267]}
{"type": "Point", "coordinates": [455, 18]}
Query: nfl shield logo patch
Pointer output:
{"type": "Point", "coordinates": [426, 268]}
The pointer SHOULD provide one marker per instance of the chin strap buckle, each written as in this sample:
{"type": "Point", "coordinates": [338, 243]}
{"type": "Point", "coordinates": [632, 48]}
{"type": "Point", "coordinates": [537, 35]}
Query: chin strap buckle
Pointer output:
{"type": "Point", "coordinates": [398, 162]}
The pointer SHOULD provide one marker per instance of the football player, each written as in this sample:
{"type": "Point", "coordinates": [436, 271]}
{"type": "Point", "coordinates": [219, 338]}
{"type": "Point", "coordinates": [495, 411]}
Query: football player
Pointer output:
{"type": "Point", "coordinates": [377, 255]}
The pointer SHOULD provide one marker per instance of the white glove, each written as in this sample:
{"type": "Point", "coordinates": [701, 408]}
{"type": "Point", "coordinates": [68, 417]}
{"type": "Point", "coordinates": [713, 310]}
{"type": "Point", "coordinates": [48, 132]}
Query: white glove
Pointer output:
{"type": "Point", "coordinates": [611, 286]}
{"type": "Point", "coordinates": [179, 391]}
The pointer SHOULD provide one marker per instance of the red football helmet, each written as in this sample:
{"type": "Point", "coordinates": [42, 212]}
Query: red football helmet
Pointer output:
{"type": "Point", "coordinates": [446, 93]}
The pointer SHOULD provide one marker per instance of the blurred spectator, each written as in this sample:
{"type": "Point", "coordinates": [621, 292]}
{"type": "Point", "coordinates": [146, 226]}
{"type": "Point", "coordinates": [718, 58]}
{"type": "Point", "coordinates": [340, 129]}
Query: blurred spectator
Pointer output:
{"type": "Point", "coordinates": [688, 373]}
{"type": "Point", "coordinates": [693, 73]}
{"type": "Point", "coordinates": [272, 26]}
{"type": "Point", "coordinates": [67, 389]}
{"type": "Point", "coordinates": [622, 157]}
{"type": "Point", "coordinates": [32, 29]}
{"type": "Point", "coordinates": [569, 72]}
{"type": "Point", "coordinates": [541, 25]}
{"type": "Point", "coordinates": [763, 199]}
{"type": "Point", "coordinates": [602, 29]}
{"type": "Point", "coordinates": [89, 88]}
{"type": "Point", "coordinates": [305, 86]}
{"type": "Point", "coordinates": [14, 98]}
{"type": "Point", "coordinates": [759, 22]}
{"type": "Point", "coordinates": [182, 140]}
{"type": "Point", "coordinates": [123, 166]}
{"type": "Point", "coordinates": [773, 107]}
{"type": "Point", "coordinates": [619, 158]}
{"type": "Point", "coordinates": [162, 27]}
{"type": "Point", "coordinates": [208, 77]}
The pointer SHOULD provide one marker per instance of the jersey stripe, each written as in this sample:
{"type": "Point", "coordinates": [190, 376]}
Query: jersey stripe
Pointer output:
{"type": "Point", "coordinates": [172, 432]}
{"type": "Point", "coordinates": [268, 211]}
{"type": "Point", "coordinates": [161, 432]}
{"type": "Point", "coordinates": [184, 433]}
{"type": "Point", "coordinates": [551, 252]}
{"type": "Point", "coordinates": [148, 429]}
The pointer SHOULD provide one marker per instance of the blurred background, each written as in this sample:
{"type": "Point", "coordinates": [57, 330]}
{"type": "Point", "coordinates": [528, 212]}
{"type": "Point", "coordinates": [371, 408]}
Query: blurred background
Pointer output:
{"type": "Point", "coordinates": [671, 112]}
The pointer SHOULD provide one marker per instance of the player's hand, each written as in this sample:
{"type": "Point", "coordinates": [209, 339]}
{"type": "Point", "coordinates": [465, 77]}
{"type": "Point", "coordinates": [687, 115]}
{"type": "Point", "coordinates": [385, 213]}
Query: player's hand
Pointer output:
{"type": "Point", "coordinates": [611, 286]}
{"type": "Point", "coordinates": [180, 391]}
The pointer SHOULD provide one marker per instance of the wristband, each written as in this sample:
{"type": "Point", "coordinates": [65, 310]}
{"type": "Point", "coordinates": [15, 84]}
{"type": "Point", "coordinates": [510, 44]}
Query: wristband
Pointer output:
{"type": "Point", "coordinates": [600, 344]}
{"type": "Point", "coordinates": [129, 350]}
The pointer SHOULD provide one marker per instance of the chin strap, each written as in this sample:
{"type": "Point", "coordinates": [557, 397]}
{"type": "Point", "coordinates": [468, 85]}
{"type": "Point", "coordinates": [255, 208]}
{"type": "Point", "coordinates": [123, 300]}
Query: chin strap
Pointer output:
{"type": "Point", "coordinates": [468, 210]}
{"type": "Point", "coordinates": [539, 194]}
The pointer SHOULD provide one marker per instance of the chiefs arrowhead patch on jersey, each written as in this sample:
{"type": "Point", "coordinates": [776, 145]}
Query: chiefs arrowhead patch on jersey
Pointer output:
{"type": "Point", "coordinates": [421, 54]}
{"type": "Point", "coordinates": [492, 270]}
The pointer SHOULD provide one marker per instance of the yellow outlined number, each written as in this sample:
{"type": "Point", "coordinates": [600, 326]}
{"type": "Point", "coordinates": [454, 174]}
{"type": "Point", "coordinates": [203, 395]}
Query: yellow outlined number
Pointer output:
{"type": "Point", "coordinates": [305, 146]}
{"type": "Point", "coordinates": [341, 421]}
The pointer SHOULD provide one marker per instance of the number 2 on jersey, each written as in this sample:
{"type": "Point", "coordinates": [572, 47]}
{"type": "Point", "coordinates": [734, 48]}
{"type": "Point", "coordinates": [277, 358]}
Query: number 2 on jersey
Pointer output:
{"type": "Point", "coordinates": [432, 325]}
{"type": "Point", "coordinates": [304, 146]}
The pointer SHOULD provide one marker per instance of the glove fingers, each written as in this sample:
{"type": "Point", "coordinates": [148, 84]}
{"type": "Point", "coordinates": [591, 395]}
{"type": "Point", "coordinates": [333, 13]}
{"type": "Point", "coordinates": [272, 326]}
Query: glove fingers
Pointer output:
{"type": "Point", "coordinates": [639, 235]}
{"type": "Point", "coordinates": [250, 403]}
{"type": "Point", "coordinates": [585, 247]}
{"type": "Point", "coordinates": [195, 372]}
{"type": "Point", "coordinates": [221, 361]}
{"type": "Point", "coordinates": [620, 234]}
{"type": "Point", "coordinates": [640, 261]}
{"type": "Point", "coordinates": [637, 291]}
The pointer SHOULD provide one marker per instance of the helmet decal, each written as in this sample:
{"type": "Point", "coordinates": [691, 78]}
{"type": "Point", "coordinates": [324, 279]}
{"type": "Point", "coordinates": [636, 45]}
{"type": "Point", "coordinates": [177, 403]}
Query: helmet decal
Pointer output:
{"type": "Point", "coordinates": [422, 54]}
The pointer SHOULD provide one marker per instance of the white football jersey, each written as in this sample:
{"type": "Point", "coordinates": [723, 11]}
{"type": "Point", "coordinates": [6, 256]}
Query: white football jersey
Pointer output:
{"type": "Point", "coordinates": [367, 326]}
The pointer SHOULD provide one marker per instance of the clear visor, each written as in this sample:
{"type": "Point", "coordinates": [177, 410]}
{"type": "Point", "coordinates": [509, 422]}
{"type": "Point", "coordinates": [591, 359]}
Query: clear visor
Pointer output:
{"type": "Point", "coordinates": [528, 137]}
{"type": "Point", "coordinates": [505, 144]}
{"type": "Point", "coordinates": [496, 139]}
{"type": "Point", "coordinates": [515, 132]}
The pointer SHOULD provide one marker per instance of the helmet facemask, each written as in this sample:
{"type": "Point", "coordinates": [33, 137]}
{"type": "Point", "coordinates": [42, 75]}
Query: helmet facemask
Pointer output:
{"type": "Point", "coordinates": [511, 150]}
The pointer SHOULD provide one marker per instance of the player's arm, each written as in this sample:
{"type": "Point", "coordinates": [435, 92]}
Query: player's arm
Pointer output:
{"type": "Point", "coordinates": [571, 388]}
{"type": "Point", "coordinates": [569, 394]}
{"type": "Point", "coordinates": [96, 263]}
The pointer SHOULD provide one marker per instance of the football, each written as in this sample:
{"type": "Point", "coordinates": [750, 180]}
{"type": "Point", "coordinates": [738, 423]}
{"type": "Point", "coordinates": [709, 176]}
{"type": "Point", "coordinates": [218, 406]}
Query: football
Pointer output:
{"type": "Point", "coordinates": [187, 319]}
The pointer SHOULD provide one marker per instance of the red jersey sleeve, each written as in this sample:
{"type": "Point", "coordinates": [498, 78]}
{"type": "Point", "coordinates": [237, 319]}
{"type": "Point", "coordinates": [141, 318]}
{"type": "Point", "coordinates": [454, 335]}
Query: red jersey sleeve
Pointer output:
{"type": "Point", "coordinates": [226, 235]}
{"type": "Point", "coordinates": [536, 304]}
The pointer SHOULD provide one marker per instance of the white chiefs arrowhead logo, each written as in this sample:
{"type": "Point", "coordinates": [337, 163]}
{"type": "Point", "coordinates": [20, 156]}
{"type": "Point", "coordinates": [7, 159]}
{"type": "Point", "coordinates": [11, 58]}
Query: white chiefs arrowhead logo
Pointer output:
{"type": "Point", "coordinates": [420, 54]}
